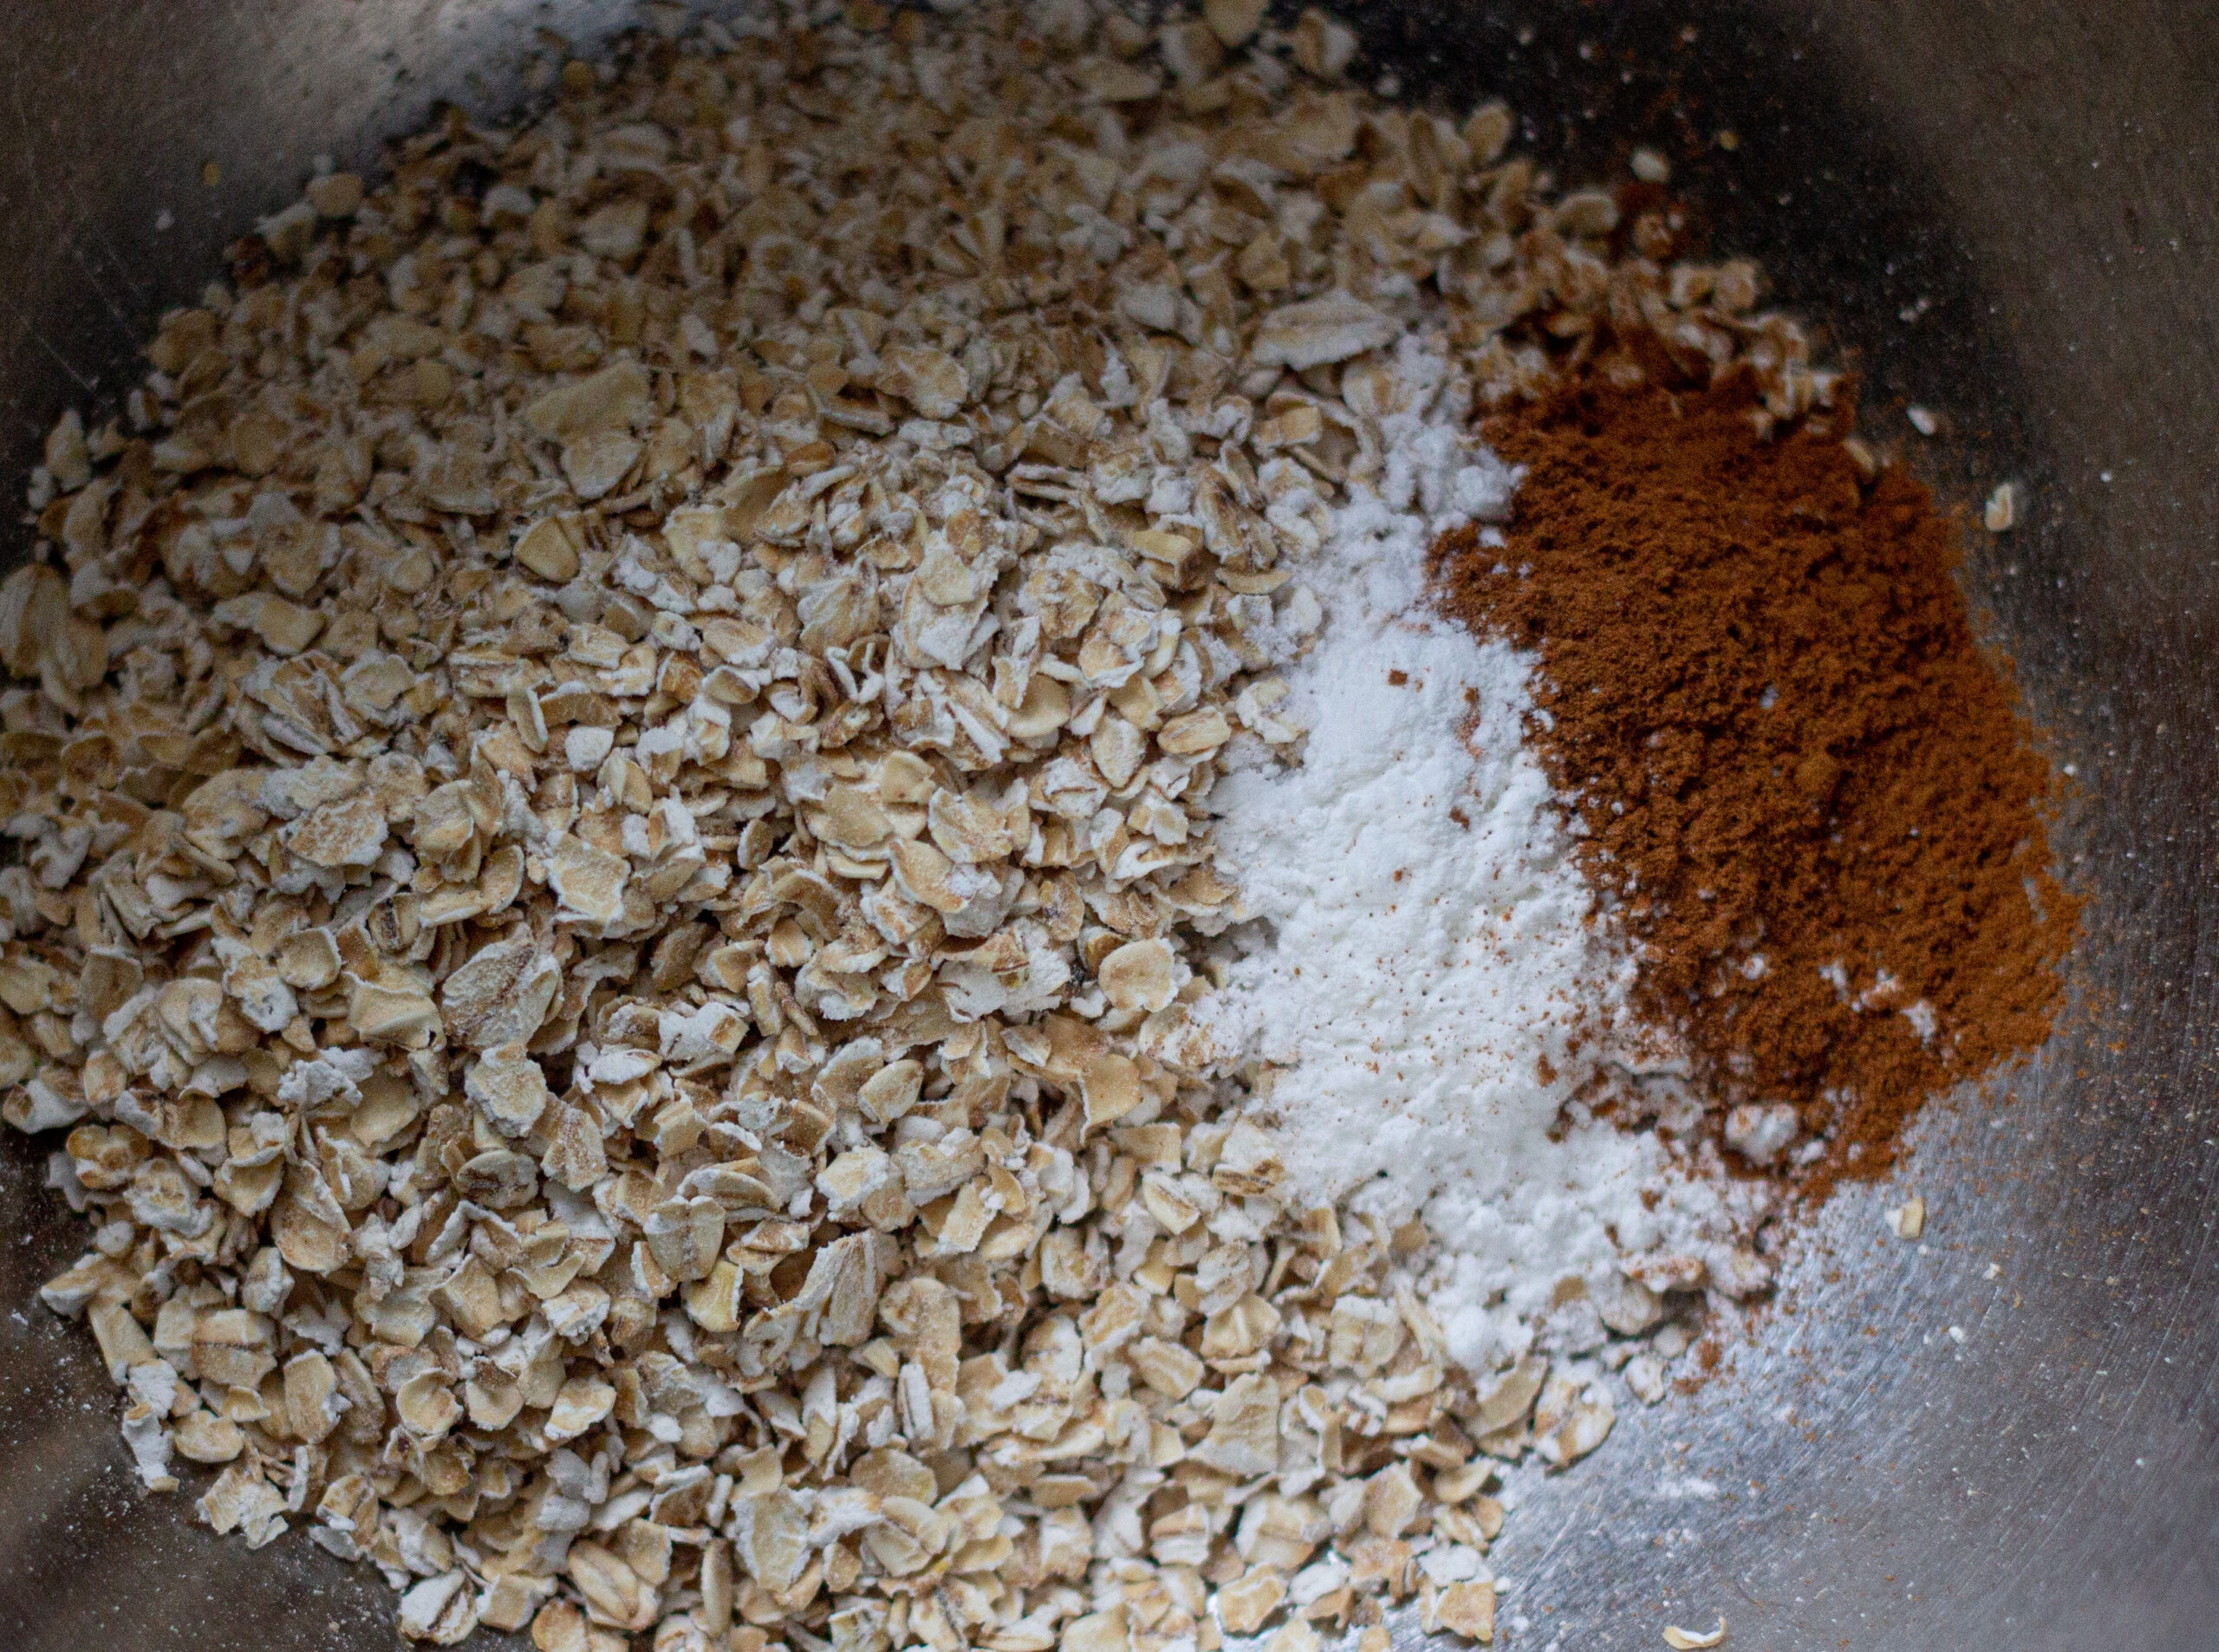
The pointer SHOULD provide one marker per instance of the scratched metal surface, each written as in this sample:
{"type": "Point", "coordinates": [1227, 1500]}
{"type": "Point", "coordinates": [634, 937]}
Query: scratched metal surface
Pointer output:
{"type": "Point", "coordinates": [2005, 211]}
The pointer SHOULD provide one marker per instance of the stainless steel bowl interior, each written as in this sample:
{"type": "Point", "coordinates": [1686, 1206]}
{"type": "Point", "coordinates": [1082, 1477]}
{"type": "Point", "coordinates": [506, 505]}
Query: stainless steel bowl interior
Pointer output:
{"type": "Point", "coordinates": [2002, 211]}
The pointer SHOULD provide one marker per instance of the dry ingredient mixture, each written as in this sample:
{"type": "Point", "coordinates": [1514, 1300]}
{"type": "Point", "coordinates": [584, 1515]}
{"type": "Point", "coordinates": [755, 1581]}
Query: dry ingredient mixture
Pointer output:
{"type": "Point", "coordinates": [644, 880]}
{"type": "Point", "coordinates": [1420, 974]}
{"type": "Point", "coordinates": [1810, 796]}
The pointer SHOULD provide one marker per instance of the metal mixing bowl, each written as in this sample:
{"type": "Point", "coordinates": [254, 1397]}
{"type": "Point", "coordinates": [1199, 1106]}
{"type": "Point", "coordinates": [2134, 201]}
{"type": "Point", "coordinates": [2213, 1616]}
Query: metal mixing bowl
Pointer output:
{"type": "Point", "coordinates": [2004, 211]}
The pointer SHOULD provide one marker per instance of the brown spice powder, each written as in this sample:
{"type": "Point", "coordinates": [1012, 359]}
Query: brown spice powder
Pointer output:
{"type": "Point", "coordinates": [1760, 684]}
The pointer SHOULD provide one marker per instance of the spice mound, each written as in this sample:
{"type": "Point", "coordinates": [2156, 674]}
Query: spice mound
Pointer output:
{"type": "Point", "coordinates": [1809, 795]}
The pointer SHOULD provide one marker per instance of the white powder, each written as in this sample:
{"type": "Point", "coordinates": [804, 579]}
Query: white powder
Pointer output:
{"type": "Point", "coordinates": [1429, 956]}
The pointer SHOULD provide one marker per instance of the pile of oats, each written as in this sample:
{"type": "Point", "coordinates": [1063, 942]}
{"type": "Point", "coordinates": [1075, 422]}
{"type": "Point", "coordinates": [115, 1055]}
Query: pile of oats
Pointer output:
{"type": "Point", "coordinates": [611, 856]}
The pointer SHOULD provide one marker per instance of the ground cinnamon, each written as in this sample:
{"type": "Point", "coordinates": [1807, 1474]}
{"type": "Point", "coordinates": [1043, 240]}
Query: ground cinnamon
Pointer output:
{"type": "Point", "coordinates": [1811, 795]}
